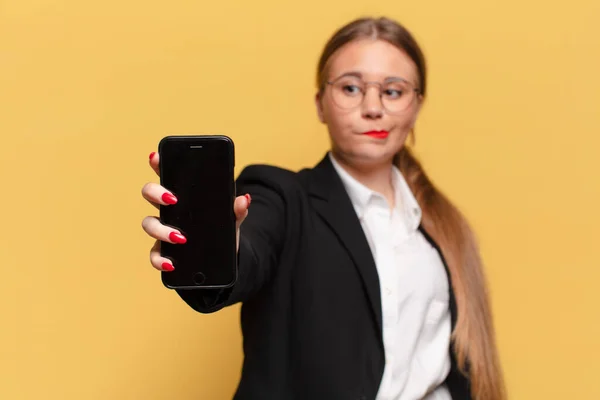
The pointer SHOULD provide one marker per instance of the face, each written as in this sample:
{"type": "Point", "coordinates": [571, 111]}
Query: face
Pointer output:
{"type": "Point", "coordinates": [358, 134]}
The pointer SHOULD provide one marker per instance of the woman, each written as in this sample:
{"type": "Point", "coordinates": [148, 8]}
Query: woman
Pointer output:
{"type": "Point", "coordinates": [359, 279]}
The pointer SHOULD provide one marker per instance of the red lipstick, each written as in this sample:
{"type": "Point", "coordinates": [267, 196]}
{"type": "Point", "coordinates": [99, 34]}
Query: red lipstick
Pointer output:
{"type": "Point", "coordinates": [377, 134]}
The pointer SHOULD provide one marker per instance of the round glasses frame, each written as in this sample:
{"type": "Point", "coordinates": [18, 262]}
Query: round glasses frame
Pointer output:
{"type": "Point", "coordinates": [414, 93]}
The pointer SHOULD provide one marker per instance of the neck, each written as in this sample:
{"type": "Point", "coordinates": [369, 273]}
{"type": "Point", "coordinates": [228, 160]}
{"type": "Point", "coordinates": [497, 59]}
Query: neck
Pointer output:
{"type": "Point", "coordinates": [377, 177]}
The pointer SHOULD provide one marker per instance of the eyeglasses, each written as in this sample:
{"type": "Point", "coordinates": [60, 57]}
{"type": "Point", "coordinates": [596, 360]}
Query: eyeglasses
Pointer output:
{"type": "Point", "coordinates": [396, 95]}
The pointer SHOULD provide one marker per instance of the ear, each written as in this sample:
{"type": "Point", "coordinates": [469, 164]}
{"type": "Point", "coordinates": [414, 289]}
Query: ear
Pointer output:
{"type": "Point", "coordinates": [319, 105]}
{"type": "Point", "coordinates": [420, 100]}
{"type": "Point", "coordinates": [417, 110]}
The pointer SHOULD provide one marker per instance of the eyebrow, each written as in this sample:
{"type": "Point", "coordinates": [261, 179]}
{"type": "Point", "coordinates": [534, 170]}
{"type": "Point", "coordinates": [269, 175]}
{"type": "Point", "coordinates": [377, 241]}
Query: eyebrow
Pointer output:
{"type": "Point", "coordinates": [360, 75]}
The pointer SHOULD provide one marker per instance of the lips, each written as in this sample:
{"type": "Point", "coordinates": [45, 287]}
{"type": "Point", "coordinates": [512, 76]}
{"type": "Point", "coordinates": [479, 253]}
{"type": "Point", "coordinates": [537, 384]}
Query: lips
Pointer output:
{"type": "Point", "coordinates": [377, 134]}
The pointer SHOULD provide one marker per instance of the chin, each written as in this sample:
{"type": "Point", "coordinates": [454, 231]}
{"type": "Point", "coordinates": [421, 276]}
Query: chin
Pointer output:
{"type": "Point", "coordinates": [373, 155]}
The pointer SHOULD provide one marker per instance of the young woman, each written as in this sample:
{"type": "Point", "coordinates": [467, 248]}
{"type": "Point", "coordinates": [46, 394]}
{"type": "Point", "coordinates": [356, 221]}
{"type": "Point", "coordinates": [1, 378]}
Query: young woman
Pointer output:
{"type": "Point", "coordinates": [358, 278]}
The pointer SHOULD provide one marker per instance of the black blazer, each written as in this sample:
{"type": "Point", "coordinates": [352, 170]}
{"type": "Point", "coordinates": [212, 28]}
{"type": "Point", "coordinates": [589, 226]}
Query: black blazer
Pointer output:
{"type": "Point", "coordinates": [311, 313]}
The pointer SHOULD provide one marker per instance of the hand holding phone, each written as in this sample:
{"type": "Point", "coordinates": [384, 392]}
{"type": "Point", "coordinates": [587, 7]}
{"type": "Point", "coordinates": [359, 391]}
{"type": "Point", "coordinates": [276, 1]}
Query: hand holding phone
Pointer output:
{"type": "Point", "coordinates": [200, 215]}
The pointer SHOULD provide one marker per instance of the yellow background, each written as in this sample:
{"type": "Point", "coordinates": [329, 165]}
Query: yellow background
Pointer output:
{"type": "Point", "coordinates": [510, 132]}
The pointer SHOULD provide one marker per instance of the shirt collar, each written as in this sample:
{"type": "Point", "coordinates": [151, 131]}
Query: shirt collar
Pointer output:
{"type": "Point", "coordinates": [360, 195]}
{"type": "Point", "coordinates": [405, 200]}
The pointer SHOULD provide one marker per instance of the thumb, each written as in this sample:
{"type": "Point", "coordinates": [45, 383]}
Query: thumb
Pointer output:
{"type": "Point", "coordinates": [240, 208]}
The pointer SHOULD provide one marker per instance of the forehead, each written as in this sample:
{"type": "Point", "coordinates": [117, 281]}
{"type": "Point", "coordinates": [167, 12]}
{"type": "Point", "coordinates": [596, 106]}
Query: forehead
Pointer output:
{"type": "Point", "coordinates": [373, 59]}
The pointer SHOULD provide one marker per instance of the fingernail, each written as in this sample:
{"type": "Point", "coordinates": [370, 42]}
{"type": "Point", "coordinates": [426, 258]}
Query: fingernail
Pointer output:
{"type": "Point", "coordinates": [152, 155]}
{"type": "Point", "coordinates": [169, 198]}
{"type": "Point", "coordinates": [167, 267]}
{"type": "Point", "coordinates": [177, 238]}
{"type": "Point", "coordinates": [248, 198]}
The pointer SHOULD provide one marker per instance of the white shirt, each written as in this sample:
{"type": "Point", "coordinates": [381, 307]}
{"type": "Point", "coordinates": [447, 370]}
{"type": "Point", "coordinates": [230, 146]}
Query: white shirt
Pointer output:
{"type": "Point", "coordinates": [414, 292]}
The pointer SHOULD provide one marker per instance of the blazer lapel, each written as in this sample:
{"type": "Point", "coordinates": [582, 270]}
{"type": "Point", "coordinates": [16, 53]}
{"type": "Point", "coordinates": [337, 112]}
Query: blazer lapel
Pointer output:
{"type": "Point", "coordinates": [334, 205]}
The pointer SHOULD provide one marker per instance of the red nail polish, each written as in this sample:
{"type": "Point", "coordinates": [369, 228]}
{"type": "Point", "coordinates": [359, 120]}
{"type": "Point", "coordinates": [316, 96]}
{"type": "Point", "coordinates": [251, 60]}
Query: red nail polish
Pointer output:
{"type": "Point", "coordinates": [152, 155]}
{"type": "Point", "coordinates": [177, 238]}
{"type": "Point", "coordinates": [169, 198]}
{"type": "Point", "coordinates": [167, 267]}
{"type": "Point", "coordinates": [249, 198]}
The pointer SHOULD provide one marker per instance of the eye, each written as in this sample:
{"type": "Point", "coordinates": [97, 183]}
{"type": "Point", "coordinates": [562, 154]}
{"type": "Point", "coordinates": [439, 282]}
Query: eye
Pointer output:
{"type": "Point", "coordinates": [351, 89]}
{"type": "Point", "coordinates": [393, 93]}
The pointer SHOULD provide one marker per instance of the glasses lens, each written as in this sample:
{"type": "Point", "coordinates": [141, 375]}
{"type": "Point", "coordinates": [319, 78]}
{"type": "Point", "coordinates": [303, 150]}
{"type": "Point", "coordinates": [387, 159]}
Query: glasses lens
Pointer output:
{"type": "Point", "coordinates": [348, 92]}
{"type": "Point", "coordinates": [397, 96]}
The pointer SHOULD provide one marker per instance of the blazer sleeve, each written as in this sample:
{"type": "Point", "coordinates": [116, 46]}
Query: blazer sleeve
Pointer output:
{"type": "Point", "coordinates": [262, 237]}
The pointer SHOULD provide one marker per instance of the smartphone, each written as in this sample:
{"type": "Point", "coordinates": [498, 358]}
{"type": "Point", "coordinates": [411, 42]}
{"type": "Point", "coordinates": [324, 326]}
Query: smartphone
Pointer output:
{"type": "Point", "coordinates": [199, 171]}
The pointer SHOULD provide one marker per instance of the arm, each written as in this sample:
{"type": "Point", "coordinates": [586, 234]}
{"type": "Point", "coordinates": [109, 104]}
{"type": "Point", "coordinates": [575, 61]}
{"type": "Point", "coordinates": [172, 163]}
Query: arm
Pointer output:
{"type": "Point", "coordinates": [262, 236]}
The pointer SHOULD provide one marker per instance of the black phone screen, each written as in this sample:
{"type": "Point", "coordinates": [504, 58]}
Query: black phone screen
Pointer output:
{"type": "Point", "coordinates": [199, 170]}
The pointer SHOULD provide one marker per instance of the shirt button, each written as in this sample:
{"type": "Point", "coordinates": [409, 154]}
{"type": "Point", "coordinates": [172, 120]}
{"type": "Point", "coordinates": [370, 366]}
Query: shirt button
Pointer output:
{"type": "Point", "coordinates": [388, 291]}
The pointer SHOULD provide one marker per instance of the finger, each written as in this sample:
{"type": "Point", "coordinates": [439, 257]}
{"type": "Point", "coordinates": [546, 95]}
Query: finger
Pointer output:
{"type": "Point", "coordinates": [153, 227]}
{"type": "Point", "coordinates": [154, 159]}
{"type": "Point", "coordinates": [240, 208]}
{"type": "Point", "coordinates": [158, 195]}
{"type": "Point", "coordinates": [158, 262]}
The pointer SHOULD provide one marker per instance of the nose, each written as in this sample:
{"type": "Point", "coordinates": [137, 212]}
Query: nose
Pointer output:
{"type": "Point", "coordinates": [371, 106]}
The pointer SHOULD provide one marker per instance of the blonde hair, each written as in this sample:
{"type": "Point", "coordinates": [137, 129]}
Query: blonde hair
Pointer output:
{"type": "Point", "coordinates": [473, 336]}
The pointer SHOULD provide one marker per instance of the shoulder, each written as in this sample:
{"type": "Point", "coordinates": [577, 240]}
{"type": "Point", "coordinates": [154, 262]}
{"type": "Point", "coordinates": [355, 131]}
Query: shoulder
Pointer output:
{"type": "Point", "coordinates": [265, 171]}
{"type": "Point", "coordinates": [276, 178]}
